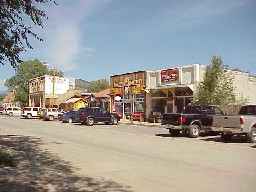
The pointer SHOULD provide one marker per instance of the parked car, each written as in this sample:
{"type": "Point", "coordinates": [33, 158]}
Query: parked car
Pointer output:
{"type": "Point", "coordinates": [68, 117]}
{"type": "Point", "coordinates": [91, 115]}
{"type": "Point", "coordinates": [242, 124]}
{"type": "Point", "coordinates": [29, 112]}
{"type": "Point", "coordinates": [194, 119]}
{"type": "Point", "coordinates": [2, 110]}
{"type": "Point", "coordinates": [13, 111]}
{"type": "Point", "coordinates": [49, 113]}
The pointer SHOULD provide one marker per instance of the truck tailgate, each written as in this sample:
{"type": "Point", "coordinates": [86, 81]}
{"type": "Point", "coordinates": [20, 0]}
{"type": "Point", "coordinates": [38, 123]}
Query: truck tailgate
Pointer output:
{"type": "Point", "coordinates": [171, 118]}
{"type": "Point", "coordinates": [226, 121]}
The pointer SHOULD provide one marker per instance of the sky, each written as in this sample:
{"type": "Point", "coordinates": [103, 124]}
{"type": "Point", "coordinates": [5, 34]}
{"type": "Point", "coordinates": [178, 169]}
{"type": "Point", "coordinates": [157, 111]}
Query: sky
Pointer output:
{"type": "Point", "coordinates": [94, 39]}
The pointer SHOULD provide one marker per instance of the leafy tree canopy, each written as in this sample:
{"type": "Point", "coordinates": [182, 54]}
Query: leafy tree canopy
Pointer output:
{"type": "Point", "coordinates": [24, 72]}
{"type": "Point", "coordinates": [14, 31]}
{"type": "Point", "coordinates": [217, 87]}
{"type": "Point", "coordinates": [98, 85]}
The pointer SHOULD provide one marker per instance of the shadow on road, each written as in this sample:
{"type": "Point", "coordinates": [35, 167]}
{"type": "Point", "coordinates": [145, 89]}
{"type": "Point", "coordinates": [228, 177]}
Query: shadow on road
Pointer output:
{"type": "Point", "coordinates": [235, 139]}
{"type": "Point", "coordinates": [39, 170]}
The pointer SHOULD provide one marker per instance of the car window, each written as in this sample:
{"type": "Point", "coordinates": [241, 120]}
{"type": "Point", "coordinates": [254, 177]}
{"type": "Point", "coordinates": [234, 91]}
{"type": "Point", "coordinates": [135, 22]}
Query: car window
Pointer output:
{"type": "Point", "coordinates": [209, 110]}
{"type": "Point", "coordinates": [217, 111]}
{"type": "Point", "coordinates": [193, 110]}
{"type": "Point", "coordinates": [35, 109]}
{"type": "Point", "coordinates": [248, 110]}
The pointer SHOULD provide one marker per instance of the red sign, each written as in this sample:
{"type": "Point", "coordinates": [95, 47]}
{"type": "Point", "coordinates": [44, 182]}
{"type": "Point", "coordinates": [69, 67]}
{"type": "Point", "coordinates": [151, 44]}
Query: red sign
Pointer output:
{"type": "Point", "coordinates": [168, 75]}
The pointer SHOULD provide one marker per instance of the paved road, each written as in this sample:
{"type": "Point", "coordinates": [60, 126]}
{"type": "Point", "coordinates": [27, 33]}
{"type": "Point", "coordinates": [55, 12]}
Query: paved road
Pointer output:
{"type": "Point", "coordinates": [134, 158]}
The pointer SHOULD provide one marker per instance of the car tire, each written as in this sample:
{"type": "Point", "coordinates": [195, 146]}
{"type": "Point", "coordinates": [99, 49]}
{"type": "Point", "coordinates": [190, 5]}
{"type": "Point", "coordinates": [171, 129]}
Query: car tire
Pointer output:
{"type": "Point", "coordinates": [114, 121]}
{"type": "Point", "coordinates": [10, 114]}
{"type": "Point", "coordinates": [51, 118]}
{"type": "Point", "coordinates": [174, 133]}
{"type": "Point", "coordinates": [226, 138]}
{"type": "Point", "coordinates": [194, 131]}
{"type": "Point", "coordinates": [90, 121]}
{"type": "Point", "coordinates": [28, 116]}
{"type": "Point", "coordinates": [70, 120]}
{"type": "Point", "coordinates": [251, 136]}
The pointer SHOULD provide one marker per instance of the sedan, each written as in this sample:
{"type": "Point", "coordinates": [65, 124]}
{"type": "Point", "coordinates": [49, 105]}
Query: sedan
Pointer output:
{"type": "Point", "coordinates": [69, 117]}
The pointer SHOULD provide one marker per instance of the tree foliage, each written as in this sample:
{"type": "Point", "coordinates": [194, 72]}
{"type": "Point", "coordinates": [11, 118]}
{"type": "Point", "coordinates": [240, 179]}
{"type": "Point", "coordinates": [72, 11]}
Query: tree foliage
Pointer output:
{"type": "Point", "coordinates": [24, 72]}
{"type": "Point", "coordinates": [217, 87]}
{"type": "Point", "coordinates": [14, 30]}
{"type": "Point", "coordinates": [98, 85]}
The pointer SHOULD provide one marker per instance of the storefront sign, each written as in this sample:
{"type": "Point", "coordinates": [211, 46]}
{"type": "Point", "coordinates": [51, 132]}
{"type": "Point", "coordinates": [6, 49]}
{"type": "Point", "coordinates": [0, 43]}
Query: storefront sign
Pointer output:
{"type": "Point", "coordinates": [169, 75]}
{"type": "Point", "coordinates": [128, 83]}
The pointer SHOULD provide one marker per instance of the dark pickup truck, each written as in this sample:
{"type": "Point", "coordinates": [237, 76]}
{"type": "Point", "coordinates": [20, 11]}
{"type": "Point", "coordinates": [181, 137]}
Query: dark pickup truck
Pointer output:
{"type": "Point", "coordinates": [193, 120]}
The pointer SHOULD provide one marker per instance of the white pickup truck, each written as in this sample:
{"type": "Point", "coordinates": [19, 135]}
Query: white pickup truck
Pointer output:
{"type": "Point", "coordinates": [242, 124]}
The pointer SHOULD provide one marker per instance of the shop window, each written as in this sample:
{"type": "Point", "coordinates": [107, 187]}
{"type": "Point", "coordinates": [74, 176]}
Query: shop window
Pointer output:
{"type": "Point", "coordinates": [158, 105]}
{"type": "Point", "coordinates": [159, 93]}
{"type": "Point", "coordinates": [139, 107]}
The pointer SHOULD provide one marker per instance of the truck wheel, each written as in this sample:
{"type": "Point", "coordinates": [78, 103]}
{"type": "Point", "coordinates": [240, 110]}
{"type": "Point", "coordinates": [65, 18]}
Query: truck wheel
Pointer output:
{"type": "Point", "coordinates": [251, 136]}
{"type": "Point", "coordinates": [28, 116]}
{"type": "Point", "coordinates": [226, 138]}
{"type": "Point", "coordinates": [51, 118]}
{"type": "Point", "coordinates": [114, 121]}
{"type": "Point", "coordinates": [10, 114]}
{"type": "Point", "coordinates": [90, 121]}
{"type": "Point", "coordinates": [194, 131]}
{"type": "Point", "coordinates": [174, 133]}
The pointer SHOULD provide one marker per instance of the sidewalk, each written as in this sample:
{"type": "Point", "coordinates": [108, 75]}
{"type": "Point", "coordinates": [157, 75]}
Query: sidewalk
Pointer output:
{"type": "Point", "coordinates": [128, 122]}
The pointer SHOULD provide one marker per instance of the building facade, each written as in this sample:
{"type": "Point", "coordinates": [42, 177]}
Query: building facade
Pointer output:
{"type": "Point", "coordinates": [51, 91]}
{"type": "Point", "coordinates": [127, 93]}
{"type": "Point", "coordinates": [168, 90]}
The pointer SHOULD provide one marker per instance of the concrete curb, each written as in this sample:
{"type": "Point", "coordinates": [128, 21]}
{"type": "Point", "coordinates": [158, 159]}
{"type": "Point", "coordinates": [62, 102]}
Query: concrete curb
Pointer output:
{"type": "Point", "coordinates": [146, 124]}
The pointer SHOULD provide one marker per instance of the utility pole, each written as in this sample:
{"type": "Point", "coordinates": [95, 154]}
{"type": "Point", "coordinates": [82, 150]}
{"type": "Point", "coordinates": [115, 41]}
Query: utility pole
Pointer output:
{"type": "Point", "coordinates": [53, 84]}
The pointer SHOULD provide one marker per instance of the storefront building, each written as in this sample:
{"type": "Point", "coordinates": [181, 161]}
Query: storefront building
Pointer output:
{"type": "Point", "coordinates": [51, 91]}
{"type": "Point", "coordinates": [127, 93]}
{"type": "Point", "coordinates": [154, 92]}
{"type": "Point", "coordinates": [170, 90]}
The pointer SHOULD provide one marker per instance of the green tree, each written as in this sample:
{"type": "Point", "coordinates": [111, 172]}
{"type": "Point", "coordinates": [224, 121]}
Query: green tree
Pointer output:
{"type": "Point", "coordinates": [14, 31]}
{"type": "Point", "coordinates": [98, 85]}
{"type": "Point", "coordinates": [24, 72]}
{"type": "Point", "coordinates": [217, 87]}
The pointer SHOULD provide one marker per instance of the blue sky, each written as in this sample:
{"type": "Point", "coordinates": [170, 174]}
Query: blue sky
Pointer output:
{"type": "Point", "coordinates": [94, 39]}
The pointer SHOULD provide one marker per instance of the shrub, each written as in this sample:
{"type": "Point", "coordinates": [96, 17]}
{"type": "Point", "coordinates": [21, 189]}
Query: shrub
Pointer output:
{"type": "Point", "coordinates": [6, 160]}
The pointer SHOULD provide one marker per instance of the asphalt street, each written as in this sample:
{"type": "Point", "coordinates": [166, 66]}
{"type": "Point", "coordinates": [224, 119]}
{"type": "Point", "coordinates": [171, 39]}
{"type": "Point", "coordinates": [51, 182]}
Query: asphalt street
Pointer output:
{"type": "Point", "coordinates": [69, 157]}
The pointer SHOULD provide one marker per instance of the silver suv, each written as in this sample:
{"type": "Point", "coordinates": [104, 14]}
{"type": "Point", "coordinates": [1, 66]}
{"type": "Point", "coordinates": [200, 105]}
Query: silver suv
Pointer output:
{"type": "Point", "coordinates": [50, 114]}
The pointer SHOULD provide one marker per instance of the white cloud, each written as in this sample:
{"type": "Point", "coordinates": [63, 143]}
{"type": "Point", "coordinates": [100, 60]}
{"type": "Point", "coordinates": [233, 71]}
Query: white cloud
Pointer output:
{"type": "Point", "coordinates": [63, 32]}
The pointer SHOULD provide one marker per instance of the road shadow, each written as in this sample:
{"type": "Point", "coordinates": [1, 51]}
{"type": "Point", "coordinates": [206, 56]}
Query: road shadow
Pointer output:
{"type": "Point", "coordinates": [39, 170]}
{"type": "Point", "coordinates": [234, 139]}
{"type": "Point", "coordinates": [169, 135]}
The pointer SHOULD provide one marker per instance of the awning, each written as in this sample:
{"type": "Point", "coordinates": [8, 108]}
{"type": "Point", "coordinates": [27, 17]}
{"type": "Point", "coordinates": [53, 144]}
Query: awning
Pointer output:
{"type": "Point", "coordinates": [73, 100]}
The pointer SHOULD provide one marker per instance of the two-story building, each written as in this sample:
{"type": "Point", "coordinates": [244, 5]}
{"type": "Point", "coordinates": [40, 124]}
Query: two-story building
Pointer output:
{"type": "Point", "coordinates": [51, 91]}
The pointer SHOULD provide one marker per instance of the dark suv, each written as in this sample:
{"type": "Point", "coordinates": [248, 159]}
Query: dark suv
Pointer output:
{"type": "Point", "coordinates": [91, 115]}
